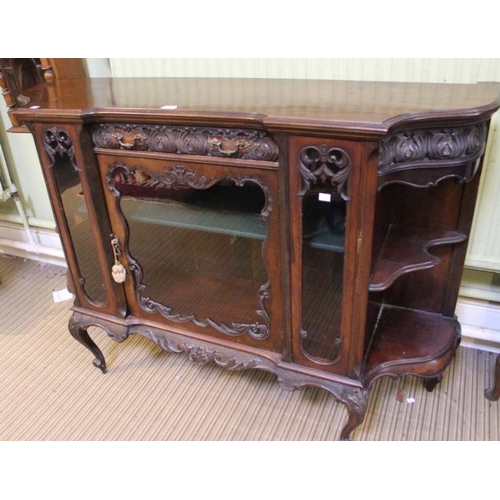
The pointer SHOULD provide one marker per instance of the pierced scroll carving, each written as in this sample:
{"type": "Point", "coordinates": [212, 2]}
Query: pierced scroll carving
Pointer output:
{"type": "Point", "coordinates": [58, 142]}
{"type": "Point", "coordinates": [326, 164]}
{"type": "Point", "coordinates": [437, 154]}
{"type": "Point", "coordinates": [179, 177]}
{"type": "Point", "coordinates": [201, 355]}
{"type": "Point", "coordinates": [224, 143]}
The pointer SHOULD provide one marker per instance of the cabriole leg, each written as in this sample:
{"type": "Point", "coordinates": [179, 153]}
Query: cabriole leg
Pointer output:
{"type": "Point", "coordinates": [80, 333]}
{"type": "Point", "coordinates": [356, 403]}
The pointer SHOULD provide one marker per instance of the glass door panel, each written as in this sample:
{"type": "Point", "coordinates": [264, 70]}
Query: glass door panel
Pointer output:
{"type": "Point", "coordinates": [197, 243]}
{"type": "Point", "coordinates": [323, 231]}
{"type": "Point", "coordinates": [70, 189]}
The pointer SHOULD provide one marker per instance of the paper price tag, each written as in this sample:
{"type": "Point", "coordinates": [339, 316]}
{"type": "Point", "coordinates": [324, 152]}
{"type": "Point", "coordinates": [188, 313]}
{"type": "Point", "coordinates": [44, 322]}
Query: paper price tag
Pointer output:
{"type": "Point", "coordinates": [324, 197]}
{"type": "Point", "coordinates": [62, 295]}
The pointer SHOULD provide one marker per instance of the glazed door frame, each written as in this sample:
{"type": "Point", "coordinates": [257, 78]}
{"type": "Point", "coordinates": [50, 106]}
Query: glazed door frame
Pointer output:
{"type": "Point", "coordinates": [358, 186]}
{"type": "Point", "coordinates": [197, 174]}
{"type": "Point", "coordinates": [73, 141]}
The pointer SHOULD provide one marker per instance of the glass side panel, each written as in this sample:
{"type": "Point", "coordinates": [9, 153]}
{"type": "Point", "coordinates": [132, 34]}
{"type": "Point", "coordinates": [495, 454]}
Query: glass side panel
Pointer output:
{"type": "Point", "coordinates": [199, 248]}
{"type": "Point", "coordinates": [323, 231]}
{"type": "Point", "coordinates": [71, 192]}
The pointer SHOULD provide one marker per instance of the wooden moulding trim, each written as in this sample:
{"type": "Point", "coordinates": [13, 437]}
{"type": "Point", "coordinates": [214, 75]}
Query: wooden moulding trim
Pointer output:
{"type": "Point", "coordinates": [137, 325]}
{"type": "Point", "coordinates": [341, 129]}
{"type": "Point", "coordinates": [162, 117]}
{"type": "Point", "coordinates": [345, 129]}
{"type": "Point", "coordinates": [185, 158]}
{"type": "Point", "coordinates": [433, 118]}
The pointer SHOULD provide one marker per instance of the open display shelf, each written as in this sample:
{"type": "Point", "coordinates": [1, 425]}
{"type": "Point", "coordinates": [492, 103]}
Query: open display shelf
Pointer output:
{"type": "Point", "coordinates": [405, 250]}
{"type": "Point", "coordinates": [406, 341]}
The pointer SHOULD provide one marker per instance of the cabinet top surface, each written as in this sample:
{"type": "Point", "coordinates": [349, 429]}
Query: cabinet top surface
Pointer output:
{"type": "Point", "coordinates": [358, 107]}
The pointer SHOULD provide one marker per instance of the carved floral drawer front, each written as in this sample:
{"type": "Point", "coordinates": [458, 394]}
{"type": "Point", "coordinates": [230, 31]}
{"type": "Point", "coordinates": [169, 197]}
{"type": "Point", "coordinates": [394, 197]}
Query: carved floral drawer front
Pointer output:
{"type": "Point", "coordinates": [217, 142]}
{"type": "Point", "coordinates": [425, 157]}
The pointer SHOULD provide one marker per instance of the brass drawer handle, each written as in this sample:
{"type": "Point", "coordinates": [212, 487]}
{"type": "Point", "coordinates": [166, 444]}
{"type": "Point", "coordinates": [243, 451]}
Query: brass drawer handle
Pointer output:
{"type": "Point", "coordinates": [240, 144]}
{"type": "Point", "coordinates": [136, 139]}
{"type": "Point", "coordinates": [117, 271]}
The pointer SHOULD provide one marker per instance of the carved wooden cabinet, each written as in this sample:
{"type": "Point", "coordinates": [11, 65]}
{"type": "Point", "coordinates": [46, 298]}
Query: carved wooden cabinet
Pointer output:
{"type": "Point", "coordinates": [314, 229]}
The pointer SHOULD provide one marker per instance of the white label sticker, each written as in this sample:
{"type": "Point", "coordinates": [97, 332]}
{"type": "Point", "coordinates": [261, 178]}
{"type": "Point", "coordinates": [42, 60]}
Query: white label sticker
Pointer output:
{"type": "Point", "coordinates": [62, 295]}
{"type": "Point", "coordinates": [324, 197]}
{"type": "Point", "coordinates": [169, 106]}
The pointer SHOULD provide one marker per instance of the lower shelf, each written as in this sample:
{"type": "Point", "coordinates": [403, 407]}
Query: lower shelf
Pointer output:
{"type": "Point", "coordinates": [406, 341]}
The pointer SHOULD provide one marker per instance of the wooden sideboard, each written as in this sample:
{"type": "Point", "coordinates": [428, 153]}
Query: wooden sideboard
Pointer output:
{"type": "Point", "coordinates": [313, 229]}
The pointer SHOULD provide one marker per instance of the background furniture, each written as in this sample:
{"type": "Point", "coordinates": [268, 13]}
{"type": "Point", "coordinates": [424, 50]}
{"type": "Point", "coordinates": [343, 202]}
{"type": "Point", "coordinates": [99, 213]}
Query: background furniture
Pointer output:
{"type": "Point", "coordinates": [18, 74]}
{"type": "Point", "coordinates": [316, 229]}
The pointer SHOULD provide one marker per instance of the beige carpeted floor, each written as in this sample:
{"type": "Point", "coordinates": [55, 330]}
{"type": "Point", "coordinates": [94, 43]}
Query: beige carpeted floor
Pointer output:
{"type": "Point", "coordinates": [49, 389]}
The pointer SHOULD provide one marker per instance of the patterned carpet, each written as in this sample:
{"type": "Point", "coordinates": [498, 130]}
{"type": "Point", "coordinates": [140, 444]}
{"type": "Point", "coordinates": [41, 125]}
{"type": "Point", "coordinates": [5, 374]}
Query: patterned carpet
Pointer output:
{"type": "Point", "coordinates": [49, 389]}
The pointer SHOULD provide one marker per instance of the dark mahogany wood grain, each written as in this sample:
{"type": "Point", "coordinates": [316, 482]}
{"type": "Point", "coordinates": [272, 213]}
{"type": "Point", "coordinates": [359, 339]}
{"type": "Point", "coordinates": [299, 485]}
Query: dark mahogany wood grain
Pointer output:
{"type": "Point", "coordinates": [351, 108]}
{"type": "Point", "coordinates": [411, 342]}
{"type": "Point", "coordinates": [399, 164]}
{"type": "Point", "coordinates": [405, 250]}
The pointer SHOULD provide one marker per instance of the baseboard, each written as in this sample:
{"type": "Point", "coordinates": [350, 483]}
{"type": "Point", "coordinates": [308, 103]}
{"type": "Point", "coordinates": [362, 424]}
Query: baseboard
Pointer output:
{"type": "Point", "coordinates": [480, 322]}
{"type": "Point", "coordinates": [46, 245]}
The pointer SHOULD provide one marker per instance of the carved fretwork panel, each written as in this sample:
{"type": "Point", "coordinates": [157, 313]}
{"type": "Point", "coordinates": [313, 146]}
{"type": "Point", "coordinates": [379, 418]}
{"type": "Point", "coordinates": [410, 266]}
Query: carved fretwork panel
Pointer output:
{"type": "Point", "coordinates": [141, 187]}
{"type": "Point", "coordinates": [222, 143]}
{"type": "Point", "coordinates": [58, 142]}
{"type": "Point", "coordinates": [327, 165]}
{"type": "Point", "coordinates": [423, 158]}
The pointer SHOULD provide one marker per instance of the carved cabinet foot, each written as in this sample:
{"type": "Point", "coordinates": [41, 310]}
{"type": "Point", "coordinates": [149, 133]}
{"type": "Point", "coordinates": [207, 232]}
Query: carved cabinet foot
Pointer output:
{"type": "Point", "coordinates": [78, 325]}
{"type": "Point", "coordinates": [431, 383]}
{"type": "Point", "coordinates": [80, 333]}
{"type": "Point", "coordinates": [354, 398]}
{"type": "Point", "coordinates": [493, 393]}
{"type": "Point", "coordinates": [356, 403]}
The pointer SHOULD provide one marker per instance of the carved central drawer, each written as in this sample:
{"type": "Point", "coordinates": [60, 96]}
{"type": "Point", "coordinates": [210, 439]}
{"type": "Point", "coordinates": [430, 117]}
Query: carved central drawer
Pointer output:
{"type": "Point", "coordinates": [217, 142]}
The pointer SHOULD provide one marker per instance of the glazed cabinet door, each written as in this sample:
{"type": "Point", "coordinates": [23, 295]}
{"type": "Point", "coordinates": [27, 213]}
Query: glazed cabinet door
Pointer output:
{"type": "Point", "coordinates": [77, 199]}
{"type": "Point", "coordinates": [325, 205]}
{"type": "Point", "coordinates": [199, 243]}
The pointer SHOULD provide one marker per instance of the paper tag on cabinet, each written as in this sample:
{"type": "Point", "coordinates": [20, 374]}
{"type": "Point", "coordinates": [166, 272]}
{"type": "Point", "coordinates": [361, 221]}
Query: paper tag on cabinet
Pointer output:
{"type": "Point", "coordinates": [62, 295]}
{"type": "Point", "coordinates": [324, 197]}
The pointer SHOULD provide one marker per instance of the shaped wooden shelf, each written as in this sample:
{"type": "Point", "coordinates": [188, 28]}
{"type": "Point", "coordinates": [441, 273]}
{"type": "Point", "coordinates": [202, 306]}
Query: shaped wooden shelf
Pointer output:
{"type": "Point", "coordinates": [405, 250]}
{"type": "Point", "coordinates": [409, 341]}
